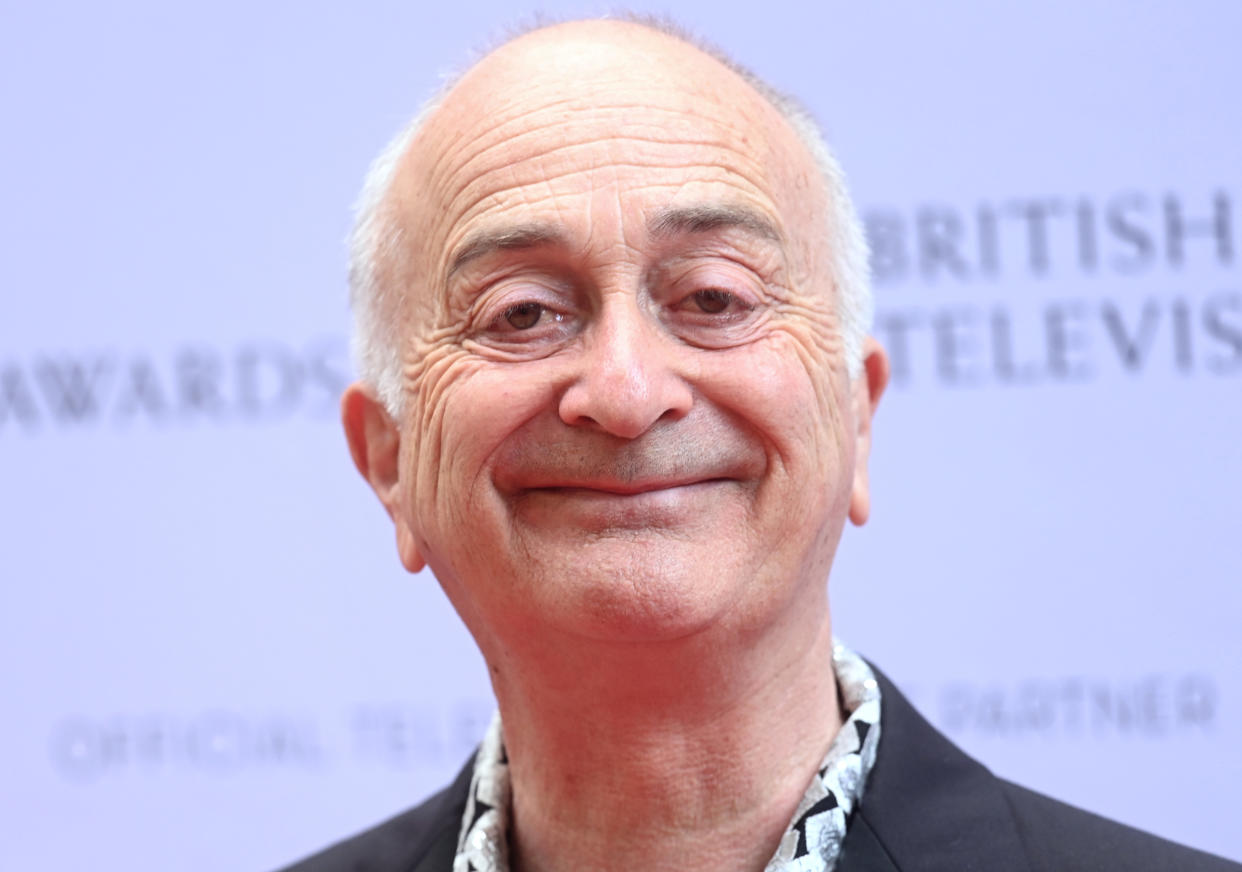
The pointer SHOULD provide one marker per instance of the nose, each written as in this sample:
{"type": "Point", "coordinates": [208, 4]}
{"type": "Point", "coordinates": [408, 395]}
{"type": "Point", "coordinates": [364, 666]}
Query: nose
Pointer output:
{"type": "Point", "coordinates": [629, 376]}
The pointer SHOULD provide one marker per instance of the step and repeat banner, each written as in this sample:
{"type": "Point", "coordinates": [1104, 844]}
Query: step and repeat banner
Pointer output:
{"type": "Point", "coordinates": [211, 657]}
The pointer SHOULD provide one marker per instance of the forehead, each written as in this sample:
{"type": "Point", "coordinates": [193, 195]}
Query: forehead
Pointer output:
{"type": "Point", "coordinates": [565, 120]}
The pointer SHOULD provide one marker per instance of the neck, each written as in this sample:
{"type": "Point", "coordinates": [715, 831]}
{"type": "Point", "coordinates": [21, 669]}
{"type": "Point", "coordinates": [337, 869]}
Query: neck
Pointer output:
{"type": "Point", "coordinates": [690, 754]}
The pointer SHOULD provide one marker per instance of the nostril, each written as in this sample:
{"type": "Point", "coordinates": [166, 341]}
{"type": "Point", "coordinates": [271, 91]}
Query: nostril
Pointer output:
{"type": "Point", "coordinates": [621, 412]}
{"type": "Point", "coordinates": [674, 414]}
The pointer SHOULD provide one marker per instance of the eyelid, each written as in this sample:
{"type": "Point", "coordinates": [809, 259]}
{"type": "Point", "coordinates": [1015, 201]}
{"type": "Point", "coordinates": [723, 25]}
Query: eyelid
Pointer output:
{"type": "Point", "coordinates": [498, 297]}
{"type": "Point", "coordinates": [551, 322]}
{"type": "Point", "coordinates": [736, 280]}
{"type": "Point", "coordinates": [736, 324]}
{"type": "Point", "coordinates": [734, 302]}
{"type": "Point", "coordinates": [491, 334]}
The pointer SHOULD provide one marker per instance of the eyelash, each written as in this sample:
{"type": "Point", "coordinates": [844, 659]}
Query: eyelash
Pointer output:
{"type": "Point", "coordinates": [528, 305]}
{"type": "Point", "coordinates": [728, 299]}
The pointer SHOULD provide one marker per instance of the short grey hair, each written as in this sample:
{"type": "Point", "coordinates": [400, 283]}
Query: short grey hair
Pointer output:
{"type": "Point", "coordinates": [378, 235]}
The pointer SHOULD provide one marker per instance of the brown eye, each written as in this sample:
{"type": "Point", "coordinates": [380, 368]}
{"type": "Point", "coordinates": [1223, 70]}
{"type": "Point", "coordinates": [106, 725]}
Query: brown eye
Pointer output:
{"type": "Point", "coordinates": [712, 302]}
{"type": "Point", "coordinates": [523, 316]}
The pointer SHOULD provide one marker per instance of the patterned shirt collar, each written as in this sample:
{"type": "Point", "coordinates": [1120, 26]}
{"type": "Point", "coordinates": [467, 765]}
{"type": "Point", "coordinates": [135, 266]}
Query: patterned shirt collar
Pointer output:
{"type": "Point", "coordinates": [811, 843]}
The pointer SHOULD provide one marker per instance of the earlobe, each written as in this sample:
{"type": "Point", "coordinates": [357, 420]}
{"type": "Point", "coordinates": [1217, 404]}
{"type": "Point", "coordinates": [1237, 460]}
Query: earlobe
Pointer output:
{"type": "Point", "coordinates": [407, 547]}
{"type": "Point", "coordinates": [375, 445]}
{"type": "Point", "coordinates": [866, 390]}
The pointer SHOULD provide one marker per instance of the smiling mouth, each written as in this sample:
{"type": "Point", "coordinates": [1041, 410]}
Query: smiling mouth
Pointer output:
{"type": "Point", "coordinates": [633, 506]}
{"type": "Point", "coordinates": [619, 489]}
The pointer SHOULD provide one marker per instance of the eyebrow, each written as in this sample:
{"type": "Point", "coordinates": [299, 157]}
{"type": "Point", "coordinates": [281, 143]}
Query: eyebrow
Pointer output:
{"type": "Point", "coordinates": [667, 222]}
{"type": "Point", "coordinates": [704, 219]}
{"type": "Point", "coordinates": [522, 236]}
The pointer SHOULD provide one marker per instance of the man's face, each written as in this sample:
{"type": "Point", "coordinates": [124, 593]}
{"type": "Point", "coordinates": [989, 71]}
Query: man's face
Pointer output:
{"type": "Point", "coordinates": [627, 414]}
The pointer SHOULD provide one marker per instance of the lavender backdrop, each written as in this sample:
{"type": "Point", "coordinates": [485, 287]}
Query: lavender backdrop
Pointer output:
{"type": "Point", "coordinates": [210, 656]}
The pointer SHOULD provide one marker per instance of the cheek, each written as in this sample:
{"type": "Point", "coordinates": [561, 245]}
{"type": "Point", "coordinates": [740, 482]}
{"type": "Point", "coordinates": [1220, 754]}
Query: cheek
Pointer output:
{"type": "Point", "coordinates": [784, 388]}
{"type": "Point", "coordinates": [464, 410]}
{"type": "Point", "coordinates": [804, 405]}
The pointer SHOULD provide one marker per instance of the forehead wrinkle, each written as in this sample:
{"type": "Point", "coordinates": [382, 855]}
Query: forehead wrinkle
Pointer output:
{"type": "Point", "coordinates": [502, 182]}
{"type": "Point", "coordinates": [490, 201]}
{"type": "Point", "coordinates": [469, 136]}
{"type": "Point", "coordinates": [519, 178]}
{"type": "Point", "coordinates": [481, 130]}
{"type": "Point", "coordinates": [512, 226]}
{"type": "Point", "coordinates": [463, 199]}
{"type": "Point", "coordinates": [681, 129]}
{"type": "Point", "coordinates": [561, 161]}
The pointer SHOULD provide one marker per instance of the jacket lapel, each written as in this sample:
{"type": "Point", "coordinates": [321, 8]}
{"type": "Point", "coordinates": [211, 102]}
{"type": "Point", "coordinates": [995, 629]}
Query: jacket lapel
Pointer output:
{"type": "Point", "coordinates": [442, 825]}
{"type": "Point", "coordinates": [927, 806]}
{"type": "Point", "coordinates": [440, 854]}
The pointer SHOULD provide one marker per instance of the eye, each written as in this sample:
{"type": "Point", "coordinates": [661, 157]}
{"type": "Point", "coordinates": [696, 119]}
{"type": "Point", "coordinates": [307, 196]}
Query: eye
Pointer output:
{"type": "Point", "coordinates": [526, 322]}
{"type": "Point", "coordinates": [529, 313]}
{"type": "Point", "coordinates": [524, 316]}
{"type": "Point", "coordinates": [716, 302]}
{"type": "Point", "coordinates": [712, 301]}
{"type": "Point", "coordinates": [710, 311]}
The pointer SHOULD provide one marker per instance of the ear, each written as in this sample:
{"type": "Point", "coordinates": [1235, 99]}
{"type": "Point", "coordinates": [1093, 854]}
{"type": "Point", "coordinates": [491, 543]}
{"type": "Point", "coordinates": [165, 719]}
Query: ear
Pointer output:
{"type": "Point", "coordinates": [375, 445]}
{"type": "Point", "coordinates": [865, 391]}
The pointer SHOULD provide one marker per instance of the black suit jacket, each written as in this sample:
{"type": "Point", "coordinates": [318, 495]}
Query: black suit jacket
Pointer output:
{"type": "Point", "coordinates": [927, 807]}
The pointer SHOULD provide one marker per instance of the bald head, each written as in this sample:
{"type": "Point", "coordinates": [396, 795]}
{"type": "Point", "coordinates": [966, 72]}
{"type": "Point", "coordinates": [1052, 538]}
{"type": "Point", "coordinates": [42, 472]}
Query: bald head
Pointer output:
{"type": "Point", "coordinates": [521, 137]}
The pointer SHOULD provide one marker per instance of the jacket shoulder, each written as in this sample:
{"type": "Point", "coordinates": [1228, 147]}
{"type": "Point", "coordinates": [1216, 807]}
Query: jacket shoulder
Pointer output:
{"type": "Point", "coordinates": [930, 807]}
{"type": "Point", "coordinates": [423, 838]}
{"type": "Point", "coordinates": [1059, 837]}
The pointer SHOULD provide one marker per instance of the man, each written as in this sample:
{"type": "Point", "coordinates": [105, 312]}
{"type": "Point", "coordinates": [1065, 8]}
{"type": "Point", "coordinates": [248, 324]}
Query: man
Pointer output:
{"type": "Point", "coordinates": [617, 394]}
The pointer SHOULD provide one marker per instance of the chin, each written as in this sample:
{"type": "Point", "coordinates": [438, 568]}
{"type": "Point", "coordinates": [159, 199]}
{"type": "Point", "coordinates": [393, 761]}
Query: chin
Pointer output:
{"type": "Point", "coordinates": [644, 595]}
